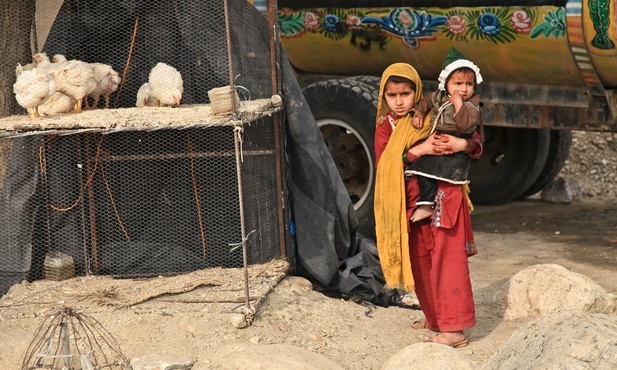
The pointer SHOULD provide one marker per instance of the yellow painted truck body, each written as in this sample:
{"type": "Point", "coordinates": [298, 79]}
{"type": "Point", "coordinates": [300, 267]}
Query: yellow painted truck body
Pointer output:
{"type": "Point", "coordinates": [518, 44]}
{"type": "Point", "coordinates": [549, 67]}
{"type": "Point", "coordinates": [539, 44]}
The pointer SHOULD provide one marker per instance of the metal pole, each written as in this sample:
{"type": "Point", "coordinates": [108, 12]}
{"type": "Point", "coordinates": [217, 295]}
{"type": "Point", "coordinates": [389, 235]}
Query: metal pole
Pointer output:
{"type": "Point", "coordinates": [232, 86]}
{"type": "Point", "coordinates": [237, 138]}
{"type": "Point", "coordinates": [274, 42]}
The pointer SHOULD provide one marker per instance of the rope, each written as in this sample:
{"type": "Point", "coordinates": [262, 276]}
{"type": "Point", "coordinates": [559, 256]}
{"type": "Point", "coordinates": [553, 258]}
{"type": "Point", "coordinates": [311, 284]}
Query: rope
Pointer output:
{"type": "Point", "coordinates": [88, 182]}
{"type": "Point", "coordinates": [196, 192]}
{"type": "Point", "coordinates": [113, 204]}
{"type": "Point", "coordinates": [128, 62]}
{"type": "Point", "coordinates": [238, 129]}
{"type": "Point", "coordinates": [238, 245]}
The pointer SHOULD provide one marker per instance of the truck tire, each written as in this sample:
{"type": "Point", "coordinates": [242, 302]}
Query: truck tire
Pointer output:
{"type": "Point", "coordinates": [345, 112]}
{"type": "Point", "coordinates": [514, 173]}
{"type": "Point", "coordinates": [372, 81]}
{"type": "Point", "coordinates": [558, 151]}
{"type": "Point", "coordinates": [512, 161]}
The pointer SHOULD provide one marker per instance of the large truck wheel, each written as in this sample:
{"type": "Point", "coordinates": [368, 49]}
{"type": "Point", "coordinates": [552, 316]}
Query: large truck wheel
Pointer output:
{"type": "Point", "coordinates": [372, 81]}
{"type": "Point", "coordinates": [345, 112]}
{"type": "Point", "coordinates": [558, 151]}
{"type": "Point", "coordinates": [512, 161]}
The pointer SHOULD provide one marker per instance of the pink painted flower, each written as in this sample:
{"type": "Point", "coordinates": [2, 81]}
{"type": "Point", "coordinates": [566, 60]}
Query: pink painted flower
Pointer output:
{"type": "Point", "coordinates": [521, 22]}
{"type": "Point", "coordinates": [457, 25]}
{"type": "Point", "coordinates": [353, 22]}
{"type": "Point", "coordinates": [405, 19]}
{"type": "Point", "coordinates": [311, 21]}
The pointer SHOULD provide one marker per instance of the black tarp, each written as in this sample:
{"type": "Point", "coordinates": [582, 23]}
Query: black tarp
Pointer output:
{"type": "Point", "coordinates": [328, 249]}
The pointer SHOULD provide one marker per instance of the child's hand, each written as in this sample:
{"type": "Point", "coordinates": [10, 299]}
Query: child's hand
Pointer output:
{"type": "Point", "coordinates": [417, 122]}
{"type": "Point", "coordinates": [456, 99]}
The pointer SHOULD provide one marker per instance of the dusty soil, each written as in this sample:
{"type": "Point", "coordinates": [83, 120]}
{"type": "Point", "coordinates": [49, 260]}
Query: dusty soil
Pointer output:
{"type": "Point", "coordinates": [581, 236]}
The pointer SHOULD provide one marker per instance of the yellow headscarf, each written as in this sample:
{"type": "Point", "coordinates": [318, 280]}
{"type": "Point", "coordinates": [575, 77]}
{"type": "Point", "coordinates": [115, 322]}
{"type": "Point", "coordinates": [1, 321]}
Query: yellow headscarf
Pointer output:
{"type": "Point", "coordinates": [391, 221]}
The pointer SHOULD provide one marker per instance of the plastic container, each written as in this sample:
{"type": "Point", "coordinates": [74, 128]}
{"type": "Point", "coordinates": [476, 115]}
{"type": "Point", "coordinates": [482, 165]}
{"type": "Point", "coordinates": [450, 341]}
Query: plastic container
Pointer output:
{"type": "Point", "coordinates": [58, 266]}
{"type": "Point", "coordinates": [221, 99]}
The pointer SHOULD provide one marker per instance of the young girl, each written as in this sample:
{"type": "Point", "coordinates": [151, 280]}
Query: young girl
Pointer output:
{"type": "Point", "coordinates": [436, 251]}
{"type": "Point", "coordinates": [454, 109]}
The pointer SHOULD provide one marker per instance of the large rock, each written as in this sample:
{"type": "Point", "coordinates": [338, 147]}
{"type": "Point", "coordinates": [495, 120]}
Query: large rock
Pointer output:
{"type": "Point", "coordinates": [429, 356]}
{"type": "Point", "coordinates": [563, 340]}
{"type": "Point", "coordinates": [266, 357]}
{"type": "Point", "coordinates": [542, 289]}
{"type": "Point", "coordinates": [155, 361]}
{"type": "Point", "coordinates": [561, 191]}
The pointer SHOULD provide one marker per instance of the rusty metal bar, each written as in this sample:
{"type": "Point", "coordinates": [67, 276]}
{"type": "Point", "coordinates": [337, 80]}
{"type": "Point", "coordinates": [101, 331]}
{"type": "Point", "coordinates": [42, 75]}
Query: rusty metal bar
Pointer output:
{"type": "Point", "coordinates": [274, 57]}
{"type": "Point", "coordinates": [92, 212]}
{"type": "Point", "coordinates": [146, 157]}
{"type": "Point", "coordinates": [237, 139]}
{"type": "Point", "coordinates": [232, 96]}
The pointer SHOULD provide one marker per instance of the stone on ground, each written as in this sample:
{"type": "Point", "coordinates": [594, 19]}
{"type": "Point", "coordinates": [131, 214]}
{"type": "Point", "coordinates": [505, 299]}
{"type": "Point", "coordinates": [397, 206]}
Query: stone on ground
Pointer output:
{"type": "Point", "coordinates": [542, 289]}
{"type": "Point", "coordinates": [429, 356]}
{"type": "Point", "coordinates": [562, 340]}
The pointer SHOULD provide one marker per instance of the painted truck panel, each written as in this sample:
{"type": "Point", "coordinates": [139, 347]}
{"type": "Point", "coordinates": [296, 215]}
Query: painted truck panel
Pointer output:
{"type": "Point", "coordinates": [539, 44]}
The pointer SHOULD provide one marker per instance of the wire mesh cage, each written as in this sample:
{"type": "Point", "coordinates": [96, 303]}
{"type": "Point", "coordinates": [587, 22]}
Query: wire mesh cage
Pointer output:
{"type": "Point", "coordinates": [71, 340]}
{"type": "Point", "coordinates": [156, 183]}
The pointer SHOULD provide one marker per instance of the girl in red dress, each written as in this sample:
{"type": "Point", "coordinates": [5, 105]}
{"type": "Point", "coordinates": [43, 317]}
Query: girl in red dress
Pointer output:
{"type": "Point", "coordinates": [429, 256]}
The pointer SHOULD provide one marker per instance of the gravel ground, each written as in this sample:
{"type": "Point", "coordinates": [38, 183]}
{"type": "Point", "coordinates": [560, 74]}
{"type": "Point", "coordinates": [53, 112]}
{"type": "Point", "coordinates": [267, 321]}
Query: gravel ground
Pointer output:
{"type": "Point", "coordinates": [593, 163]}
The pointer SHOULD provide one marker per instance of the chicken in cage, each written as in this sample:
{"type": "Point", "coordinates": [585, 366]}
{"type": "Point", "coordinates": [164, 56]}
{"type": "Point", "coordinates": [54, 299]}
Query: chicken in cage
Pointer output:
{"type": "Point", "coordinates": [173, 173]}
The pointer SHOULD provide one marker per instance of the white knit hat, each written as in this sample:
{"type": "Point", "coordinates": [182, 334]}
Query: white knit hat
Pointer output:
{"type": "Point", "coordinates": [454, 61]}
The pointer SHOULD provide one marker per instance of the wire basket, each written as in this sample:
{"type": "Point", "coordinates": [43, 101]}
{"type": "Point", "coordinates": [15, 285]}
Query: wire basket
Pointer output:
{"type": "Point", "coordinates": [67, 340]}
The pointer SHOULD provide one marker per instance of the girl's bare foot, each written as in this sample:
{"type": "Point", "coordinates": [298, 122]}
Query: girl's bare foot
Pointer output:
{"type": "Point", "coordinates": [421, 213]}
{"type": "Point", "coordinates": [455, 339]}
{"type": "Point", "coordinates": [422, 324]}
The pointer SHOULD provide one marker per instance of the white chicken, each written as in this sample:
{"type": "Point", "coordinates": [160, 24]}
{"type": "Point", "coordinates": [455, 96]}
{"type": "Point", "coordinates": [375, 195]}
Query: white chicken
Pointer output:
{"type": "Point", "coordinates": [42, 61]}
{"type": "Point", "coordinates": [166, 85]}
{"type": "Point", "coordinates": [28, 67]}
{"type": "Point", "coordinates": [32, 88]}
{"type": "Point", "coordinates": [144, 97]}
{"type": "Point", "coordinates": [59, 59]}
{"type": "Point", "coordinates": [107, 81]}
{"type": "Point", "coordinates": [58, 103]}
{"type": "Point", "coordinates": [75, 79]}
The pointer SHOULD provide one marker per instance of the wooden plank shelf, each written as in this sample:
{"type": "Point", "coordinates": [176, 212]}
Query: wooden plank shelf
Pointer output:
{"type": "Point", "coordinates": [138, 119]}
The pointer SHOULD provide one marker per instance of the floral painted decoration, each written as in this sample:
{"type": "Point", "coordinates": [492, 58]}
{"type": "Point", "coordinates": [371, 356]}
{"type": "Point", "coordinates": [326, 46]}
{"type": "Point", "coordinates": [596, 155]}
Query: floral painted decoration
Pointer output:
{"type": "Point", "coordinates": [521, 22]}
{"type": "Point", "coordinates": [554, 25]}
{"type": "Point", "coordinates": [494, 24]}
{"type": "Point", "coordinates": [408, 24]}
{"type": "Point", "coordinates": [599, 13]}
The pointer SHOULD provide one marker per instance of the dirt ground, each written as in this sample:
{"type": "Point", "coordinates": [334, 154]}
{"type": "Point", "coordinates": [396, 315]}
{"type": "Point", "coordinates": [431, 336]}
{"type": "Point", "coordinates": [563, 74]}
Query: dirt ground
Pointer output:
{"type": "Point", "coordinates": [189, 316]}
{"type": "Point", "coordinates": [581, 236]}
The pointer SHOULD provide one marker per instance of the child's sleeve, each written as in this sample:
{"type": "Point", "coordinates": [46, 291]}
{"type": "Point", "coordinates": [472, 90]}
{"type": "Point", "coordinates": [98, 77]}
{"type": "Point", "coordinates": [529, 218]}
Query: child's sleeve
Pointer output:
{"type": "Point", "coordinates": [466, 119]}
{"type": "Point", "coordinates": [475, 146]}
{"type": "Point", "coordinates": [423, 106]}
{"type": "Point", "coordinates": [382, 135]}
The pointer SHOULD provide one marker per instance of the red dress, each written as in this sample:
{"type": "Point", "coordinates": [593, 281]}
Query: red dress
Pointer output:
{"type": "Point", "coordinates": [438, 248]}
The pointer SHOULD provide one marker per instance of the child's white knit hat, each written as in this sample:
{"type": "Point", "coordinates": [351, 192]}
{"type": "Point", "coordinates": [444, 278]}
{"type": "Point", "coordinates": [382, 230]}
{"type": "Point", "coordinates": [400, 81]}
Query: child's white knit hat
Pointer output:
{"type": "Point", "coordinates": [454, 61]}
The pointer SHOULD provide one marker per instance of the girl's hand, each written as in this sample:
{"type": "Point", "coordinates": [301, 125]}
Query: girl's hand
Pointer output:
{"type": "Point", "coordinates": [417, 122]}
{"type": "Point", "coordinates": [440, 144]}
{"type": "Point", "coordinates": [444, 144]}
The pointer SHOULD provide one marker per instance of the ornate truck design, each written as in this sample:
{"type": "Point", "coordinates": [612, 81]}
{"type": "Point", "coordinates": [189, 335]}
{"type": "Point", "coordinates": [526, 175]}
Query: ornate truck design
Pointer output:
{"type": "Point", "coordinates": [550, 66]}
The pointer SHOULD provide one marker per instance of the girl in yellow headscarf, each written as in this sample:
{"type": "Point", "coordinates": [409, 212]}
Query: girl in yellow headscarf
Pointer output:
{"type": "Point", "coordinates": [435, 247]}
{"type": "Point", "coordinates": [400, 89]}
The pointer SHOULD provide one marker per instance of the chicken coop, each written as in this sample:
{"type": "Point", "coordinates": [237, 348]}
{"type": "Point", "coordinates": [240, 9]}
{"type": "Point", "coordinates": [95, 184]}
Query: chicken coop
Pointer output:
{"type": "Point", "coordinates": [162, 171]}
